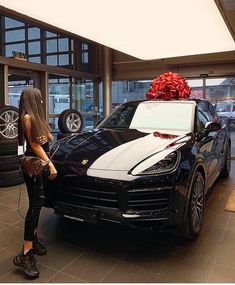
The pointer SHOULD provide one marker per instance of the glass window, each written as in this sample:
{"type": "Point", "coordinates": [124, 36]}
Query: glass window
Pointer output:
{"type": "Point", "coordinates": [196, 88]}
{"type": "Point", "coordinates": [33, 33]}
{"type": "Point", "coordinates": [84, 46]}
{"type": "Point", "coordinates": [11, 23]}
{"type": "Point", "coordinates": [34, 48]}
{"type": "Point", "coordinates": [50, 34]}
{"type": "Point", "coordinates": [83, 100]}
{"type": "Point", "coordinates": [15, 36]}
{"type": "Point", "coordinates": [202, 119]}
{"type": "Point", "coordinates": [85, 57]}
{"type": "Point", "coordinates": [36, 59]}
{"type": "Point", "coordinates": [52, 60]}
{"type": "Point", "coordinates": [64, 59]}
{"type": "Point", "coordinates": [219, 89]}
{"type": "Point", "coordinates": [59, 94]}
{"type": "Point", "coordinates": [221, 93]}
{"type": "Point", "coordinates": [51, 46]}
{"type": "Point", "coordinates": [63, 44]}
{"type": "Point", "coordinates": [14, 47]}
{"type": "Point", "coordinates": [16, 84]}
{"type": "Point", "coordinates": [129, 90]}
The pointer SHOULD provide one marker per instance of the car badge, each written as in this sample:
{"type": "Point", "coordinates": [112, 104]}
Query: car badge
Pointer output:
{"type": "Point", "coordinates": [84, 161]}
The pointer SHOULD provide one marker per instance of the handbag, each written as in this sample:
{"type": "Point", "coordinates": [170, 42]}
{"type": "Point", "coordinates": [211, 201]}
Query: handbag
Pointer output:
{"type": "Point", "coordinates": [34, 166]}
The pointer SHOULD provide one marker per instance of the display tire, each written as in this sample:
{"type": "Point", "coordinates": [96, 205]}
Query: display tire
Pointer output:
{"type": "Point", "coordinates": [11, 178]}
{"type": "Point", "coordinates": [191, 228]}
{"type": "Point", "coordinates": [8, 147]}
{"type": "Point", "coordinates": [9, 162]}
{"type": "Point", "coordinates": [9, 122]}
{"type": "Point", "coordinates": [70, 121]}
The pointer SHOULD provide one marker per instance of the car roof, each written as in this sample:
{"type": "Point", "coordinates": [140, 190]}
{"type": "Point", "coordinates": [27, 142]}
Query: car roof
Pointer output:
{"type": "Point", "coordinates": [196, 100]}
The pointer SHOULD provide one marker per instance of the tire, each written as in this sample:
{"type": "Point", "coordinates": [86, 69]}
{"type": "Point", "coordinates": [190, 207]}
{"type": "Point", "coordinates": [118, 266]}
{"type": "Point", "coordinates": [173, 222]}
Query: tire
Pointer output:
{"type": "Point", "coordinates": [225, 172]}
{"type": "Point", "coordinates": [8, 147]}
{"type": "Point", "coordinates": [9, 163]}
{"type": "Point", "coordinates": [70, 121]}
{"type": "Point", "coordinates": [195, 212]}
{"type": "Point", "coordinates": [11, 178]}
{"type": "Point", "coordinates": [9, 122]}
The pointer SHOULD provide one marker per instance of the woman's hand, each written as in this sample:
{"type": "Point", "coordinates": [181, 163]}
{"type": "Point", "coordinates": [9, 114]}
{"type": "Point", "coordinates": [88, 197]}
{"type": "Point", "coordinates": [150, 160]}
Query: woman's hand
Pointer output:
{"type": "Point", "coordinates": [53, 171]}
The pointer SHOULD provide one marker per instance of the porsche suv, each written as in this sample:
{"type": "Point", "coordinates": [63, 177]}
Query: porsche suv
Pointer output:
{"type": "Point", "coordinates": [149, 164]}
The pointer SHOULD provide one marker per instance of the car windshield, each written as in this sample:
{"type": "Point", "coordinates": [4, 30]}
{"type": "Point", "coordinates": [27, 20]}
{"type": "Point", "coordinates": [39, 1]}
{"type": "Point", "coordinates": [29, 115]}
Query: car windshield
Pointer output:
{"type": "Point", "coordinates": [223, 107]}
{"type": "Point", "coordinates": [167, 116]}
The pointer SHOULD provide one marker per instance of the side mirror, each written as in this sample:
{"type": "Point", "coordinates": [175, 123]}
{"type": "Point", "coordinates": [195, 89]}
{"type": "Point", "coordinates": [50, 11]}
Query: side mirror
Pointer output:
{"type": "Point", "coordinates": [212, 127]}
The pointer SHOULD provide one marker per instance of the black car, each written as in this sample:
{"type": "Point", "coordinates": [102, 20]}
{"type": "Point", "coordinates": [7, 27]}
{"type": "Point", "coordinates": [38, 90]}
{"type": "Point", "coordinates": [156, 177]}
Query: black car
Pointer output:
{"type": "Point", "coordinates": [149, 164]}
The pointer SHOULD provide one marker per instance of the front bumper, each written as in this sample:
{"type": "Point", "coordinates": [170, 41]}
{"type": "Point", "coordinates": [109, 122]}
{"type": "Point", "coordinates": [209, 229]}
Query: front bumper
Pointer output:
{"type": "Point", "coordinates": [145, 202]}
{"type": "Point", "coordinates": [147, 219]}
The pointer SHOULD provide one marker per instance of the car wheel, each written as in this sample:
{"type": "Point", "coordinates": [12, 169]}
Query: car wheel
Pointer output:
{"type": "Point", "coordinates": [227, 165]}
{"type": "Point", "coordinates": [193, 224]}
{"type": "Point", "coordinates": [9, 122]}
{"type": "Point", "coordinates": [70, 121]}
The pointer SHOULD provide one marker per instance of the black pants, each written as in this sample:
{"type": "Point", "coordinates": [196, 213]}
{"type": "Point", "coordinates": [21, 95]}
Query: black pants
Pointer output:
{"type": "Point", "coordinates": [35, 189]}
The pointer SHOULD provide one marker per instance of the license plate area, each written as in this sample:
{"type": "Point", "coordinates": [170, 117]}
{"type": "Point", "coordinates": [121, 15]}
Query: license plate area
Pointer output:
{"type": "Point", "coordinates": [80, 213]}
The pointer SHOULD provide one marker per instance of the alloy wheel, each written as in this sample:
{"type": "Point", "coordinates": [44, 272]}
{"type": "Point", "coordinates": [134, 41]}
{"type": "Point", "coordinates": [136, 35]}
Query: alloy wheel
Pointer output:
{"type": "Point", "coordinates": [197, 204]}
{"type": "Point", "coordinates": [9, 124]}
{"type": "Point", "coordinates": [73, 122]}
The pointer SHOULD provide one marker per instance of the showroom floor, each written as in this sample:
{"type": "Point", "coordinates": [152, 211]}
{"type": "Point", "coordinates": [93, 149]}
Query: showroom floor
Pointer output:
{"type": "Point", "coordinates": [84, 253]}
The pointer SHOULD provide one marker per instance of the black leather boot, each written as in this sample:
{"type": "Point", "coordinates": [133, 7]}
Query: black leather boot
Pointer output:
{"type": "Point", "coordinates": [38, 248]}
{"type": "Point", "coordinates": [28, 262]}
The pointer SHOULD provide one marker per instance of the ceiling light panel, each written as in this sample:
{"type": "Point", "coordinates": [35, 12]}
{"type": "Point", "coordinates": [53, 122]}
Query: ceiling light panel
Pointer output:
{"type": "Point", "coordinates": [149, 29]}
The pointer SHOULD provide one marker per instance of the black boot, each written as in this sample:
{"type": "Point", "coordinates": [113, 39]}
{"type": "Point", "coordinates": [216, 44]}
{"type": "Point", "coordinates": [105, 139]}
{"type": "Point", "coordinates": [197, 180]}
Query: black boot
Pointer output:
{"type": "Point", "coordinates": [28, 262]}
{"type": "Point", "coordinates": [38, 248]}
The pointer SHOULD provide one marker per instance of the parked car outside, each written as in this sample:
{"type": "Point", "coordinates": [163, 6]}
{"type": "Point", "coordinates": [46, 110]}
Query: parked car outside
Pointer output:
{"type": "Point", "coordinates": [226, 111]}
{"type": "Point", "coordinates": [149, 164]}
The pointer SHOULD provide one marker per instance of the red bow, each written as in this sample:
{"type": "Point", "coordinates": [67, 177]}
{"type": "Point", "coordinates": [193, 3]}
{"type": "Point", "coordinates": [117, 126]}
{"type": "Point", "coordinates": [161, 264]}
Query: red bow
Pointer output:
{"type": "Point", "coordinates": [169, 86]}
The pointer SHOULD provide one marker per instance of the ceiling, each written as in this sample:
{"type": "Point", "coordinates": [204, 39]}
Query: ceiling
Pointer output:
{"type": "Point", "coordinates": [150, 29]}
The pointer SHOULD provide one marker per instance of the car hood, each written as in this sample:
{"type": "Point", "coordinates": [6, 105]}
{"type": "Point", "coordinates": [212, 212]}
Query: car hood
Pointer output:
{"type": "Point", "coordinates": [111, 149]}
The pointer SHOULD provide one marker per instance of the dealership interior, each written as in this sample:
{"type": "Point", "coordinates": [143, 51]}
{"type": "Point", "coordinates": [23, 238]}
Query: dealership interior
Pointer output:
{"type": "Point", "coordinates": [93, 76]}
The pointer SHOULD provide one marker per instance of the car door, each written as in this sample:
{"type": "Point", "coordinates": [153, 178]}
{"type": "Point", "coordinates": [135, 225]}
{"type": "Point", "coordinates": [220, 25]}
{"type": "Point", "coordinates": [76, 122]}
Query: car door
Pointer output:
{"type": "Point", "coordinates": [207, 142]}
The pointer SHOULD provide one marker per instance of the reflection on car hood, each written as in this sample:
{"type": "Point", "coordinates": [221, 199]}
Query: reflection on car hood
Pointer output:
{"type": "Point", "coordinates": [127, 155]}
{"type": "Point", "coordinates": [111, 149]}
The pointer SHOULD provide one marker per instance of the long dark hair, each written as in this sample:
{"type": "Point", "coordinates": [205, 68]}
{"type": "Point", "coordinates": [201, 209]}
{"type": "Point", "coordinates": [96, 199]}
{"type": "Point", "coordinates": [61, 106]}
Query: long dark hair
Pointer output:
{"type": "Point", "coordinates": [31, 103]}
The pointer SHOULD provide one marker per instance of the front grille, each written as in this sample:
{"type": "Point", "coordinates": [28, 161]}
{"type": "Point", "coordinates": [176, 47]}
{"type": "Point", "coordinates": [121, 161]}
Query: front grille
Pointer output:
{"type": "Point", "coordinates": [113, 194]}
{"type": "Point", "coordinates": [149, 198]}
{"type": "Point", "coordinates": [94, 193]}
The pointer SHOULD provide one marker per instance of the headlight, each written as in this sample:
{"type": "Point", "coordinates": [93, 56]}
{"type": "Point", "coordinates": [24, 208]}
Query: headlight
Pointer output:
{"type": "Point", "coordinates": [167, 164]}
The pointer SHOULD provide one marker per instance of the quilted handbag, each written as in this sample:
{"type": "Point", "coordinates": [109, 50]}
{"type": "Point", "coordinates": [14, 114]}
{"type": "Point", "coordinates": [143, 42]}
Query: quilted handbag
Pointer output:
{"type": "Point", "coordinates": [33, 165]}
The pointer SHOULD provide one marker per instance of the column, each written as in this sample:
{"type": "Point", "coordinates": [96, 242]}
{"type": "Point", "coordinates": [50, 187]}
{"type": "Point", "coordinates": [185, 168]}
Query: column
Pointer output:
{"type": "Point", "coordinates": [107, 80]}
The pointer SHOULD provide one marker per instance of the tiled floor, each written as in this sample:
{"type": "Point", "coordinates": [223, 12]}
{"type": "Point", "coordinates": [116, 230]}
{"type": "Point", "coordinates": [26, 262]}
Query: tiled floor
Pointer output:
{"type": "Point", "coordinates": [84, 253]}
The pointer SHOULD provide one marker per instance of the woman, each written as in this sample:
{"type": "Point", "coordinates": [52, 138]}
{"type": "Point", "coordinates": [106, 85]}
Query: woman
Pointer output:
{"type": "Point", "coordinates": [33, 127]}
